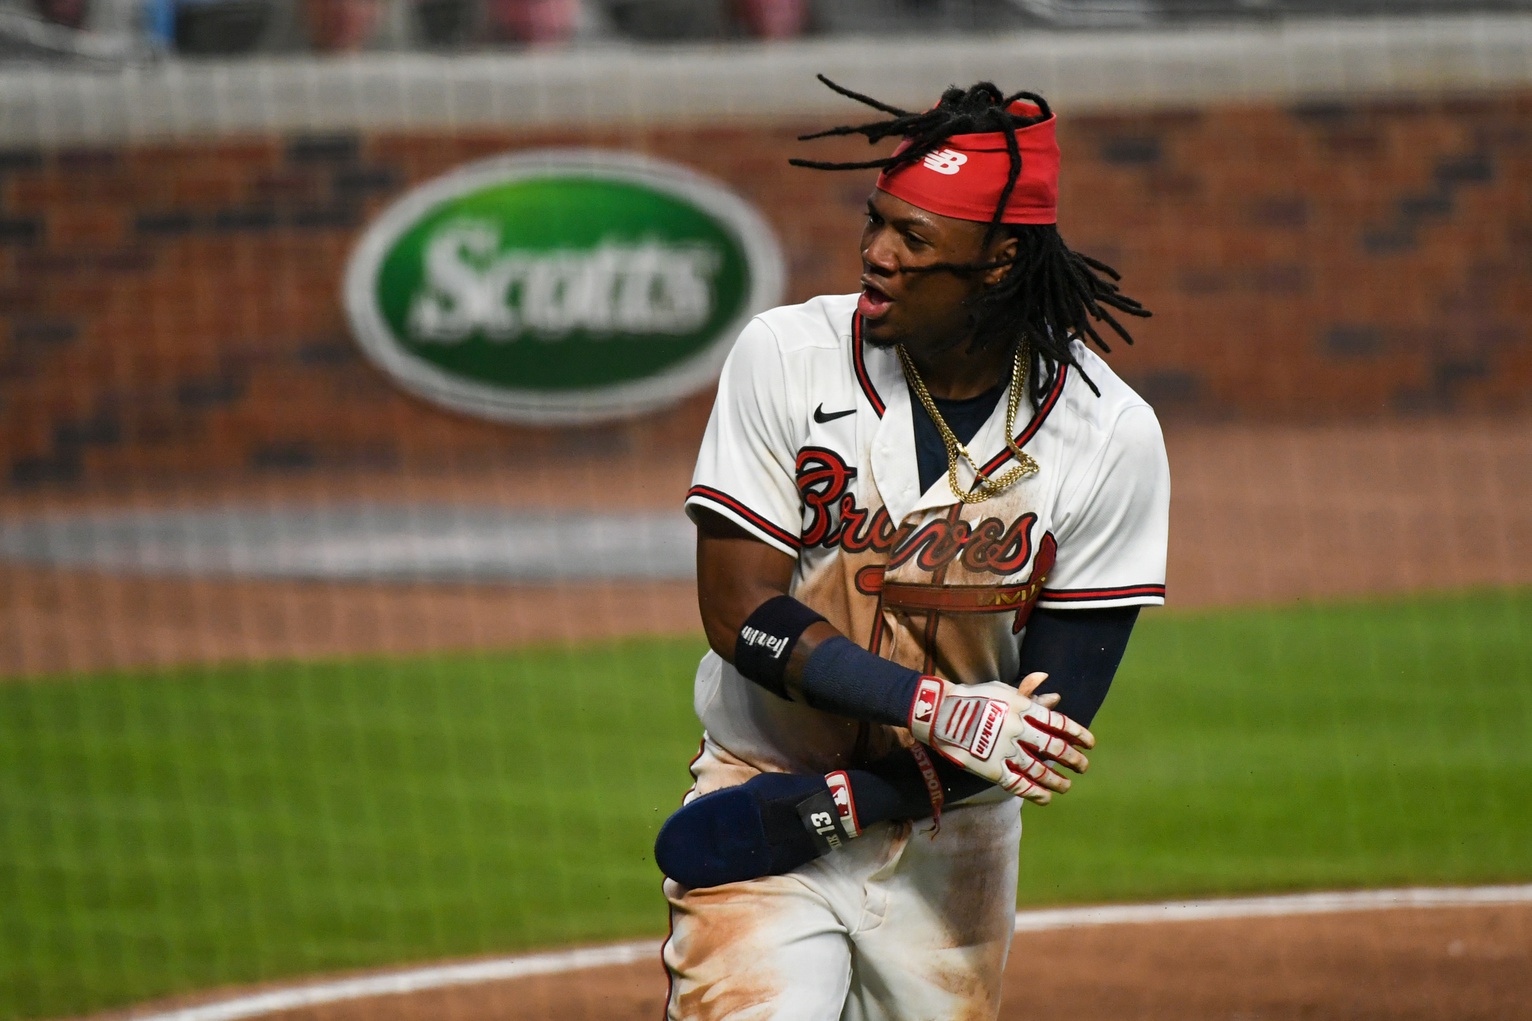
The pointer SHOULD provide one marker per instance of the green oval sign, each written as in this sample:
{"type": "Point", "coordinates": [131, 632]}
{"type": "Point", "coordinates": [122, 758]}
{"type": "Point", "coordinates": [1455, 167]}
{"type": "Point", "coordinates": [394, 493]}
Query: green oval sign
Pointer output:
{"type": "Point", "coordinates": [560, 285]}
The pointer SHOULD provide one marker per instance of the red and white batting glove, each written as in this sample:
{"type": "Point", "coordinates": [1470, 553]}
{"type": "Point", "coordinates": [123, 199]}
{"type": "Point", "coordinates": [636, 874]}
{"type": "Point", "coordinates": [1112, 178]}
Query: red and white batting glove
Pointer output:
{"type": "Point", "coordinates": [999, 733]}
{"type": "Point", "coordinates": [845, 803]}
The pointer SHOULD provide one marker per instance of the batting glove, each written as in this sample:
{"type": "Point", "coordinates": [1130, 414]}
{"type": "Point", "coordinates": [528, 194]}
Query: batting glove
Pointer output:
{"type": "Point", "coordinates": [999, 733]}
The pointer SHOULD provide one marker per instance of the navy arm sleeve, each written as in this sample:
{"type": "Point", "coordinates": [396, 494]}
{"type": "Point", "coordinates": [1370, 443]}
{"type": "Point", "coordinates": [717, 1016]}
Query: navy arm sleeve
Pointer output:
{"type": "Point", "coordinates": [1080, 651]}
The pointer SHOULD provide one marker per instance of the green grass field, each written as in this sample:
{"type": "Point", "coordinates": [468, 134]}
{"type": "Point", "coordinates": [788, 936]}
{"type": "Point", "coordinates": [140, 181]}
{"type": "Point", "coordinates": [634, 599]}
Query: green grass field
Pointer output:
{"type": "Point", "coordinates": [175, 831]}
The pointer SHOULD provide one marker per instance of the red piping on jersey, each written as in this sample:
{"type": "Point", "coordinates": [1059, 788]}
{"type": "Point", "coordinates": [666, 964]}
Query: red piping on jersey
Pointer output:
{"type": "Point", "coordinates": [1080, 595]}
{"type": "Point", "coordinates": [725, 500]}
{"type": "Point", "coordinates": [1032, 426]}
{"type": "Point", "coordinates": [861, 366]}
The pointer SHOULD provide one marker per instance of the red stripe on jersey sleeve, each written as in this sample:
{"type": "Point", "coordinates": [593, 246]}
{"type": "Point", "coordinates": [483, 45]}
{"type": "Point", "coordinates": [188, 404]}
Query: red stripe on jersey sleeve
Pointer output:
{"type": "Point", "coordinates": [1081, 595]}
{"type": "Point", "coordinates": [723, 499]}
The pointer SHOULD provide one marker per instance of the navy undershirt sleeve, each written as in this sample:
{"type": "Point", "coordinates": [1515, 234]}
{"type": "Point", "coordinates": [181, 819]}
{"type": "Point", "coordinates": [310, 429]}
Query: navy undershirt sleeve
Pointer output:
{"type": "Point", "coordinates": [1080, 651]}
{"type": "Point", "coordinates": [842, 677]}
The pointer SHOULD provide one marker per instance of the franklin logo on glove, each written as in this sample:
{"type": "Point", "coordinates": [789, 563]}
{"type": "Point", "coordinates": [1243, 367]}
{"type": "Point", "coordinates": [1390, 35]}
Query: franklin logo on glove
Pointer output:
{"type": "Point", "coordinates": [994, 712]}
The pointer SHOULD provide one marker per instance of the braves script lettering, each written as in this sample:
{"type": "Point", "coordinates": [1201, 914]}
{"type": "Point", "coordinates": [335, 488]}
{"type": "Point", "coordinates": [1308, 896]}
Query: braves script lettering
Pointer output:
{"type": "Point", "coordinates": [992, 546]}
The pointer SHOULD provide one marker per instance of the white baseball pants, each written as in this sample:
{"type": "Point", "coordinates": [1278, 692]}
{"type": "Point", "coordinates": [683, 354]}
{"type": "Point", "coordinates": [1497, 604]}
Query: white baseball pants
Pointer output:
{"type": "Point", "coordinates": [898, 925]}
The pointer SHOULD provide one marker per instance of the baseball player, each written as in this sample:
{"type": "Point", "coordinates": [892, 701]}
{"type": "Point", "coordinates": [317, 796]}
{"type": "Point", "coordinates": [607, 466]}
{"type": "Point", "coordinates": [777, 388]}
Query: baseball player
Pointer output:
{"type": "Point", "coordinates": [927, 517]}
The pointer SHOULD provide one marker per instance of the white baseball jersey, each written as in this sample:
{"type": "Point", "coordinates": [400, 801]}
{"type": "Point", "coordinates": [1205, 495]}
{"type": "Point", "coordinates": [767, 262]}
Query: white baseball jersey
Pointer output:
{"type": "Point", "coordinates": [811, 448]}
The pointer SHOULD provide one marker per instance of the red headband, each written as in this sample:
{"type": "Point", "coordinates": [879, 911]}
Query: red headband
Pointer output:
{"type": "Point", "coordinates": [964, 176]}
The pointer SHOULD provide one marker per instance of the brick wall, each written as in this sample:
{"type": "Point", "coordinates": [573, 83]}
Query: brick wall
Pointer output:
{"type": "Point", "coordinates": [175, 310]}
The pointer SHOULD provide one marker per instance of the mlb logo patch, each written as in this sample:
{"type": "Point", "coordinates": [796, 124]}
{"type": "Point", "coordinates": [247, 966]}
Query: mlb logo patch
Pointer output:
{"type": "Point", "coordinates": [925, 702]}
{"type": "Point", "coordinates": [845, 807]}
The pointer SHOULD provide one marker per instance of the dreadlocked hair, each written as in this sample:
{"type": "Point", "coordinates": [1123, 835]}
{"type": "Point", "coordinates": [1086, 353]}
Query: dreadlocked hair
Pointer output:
{"type": "Point", "coordinates": [1050, 294]}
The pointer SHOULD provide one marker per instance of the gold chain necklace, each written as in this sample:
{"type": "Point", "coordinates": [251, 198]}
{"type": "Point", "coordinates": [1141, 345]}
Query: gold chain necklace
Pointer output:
{"type": "Point", "coordinates": [984, 487]}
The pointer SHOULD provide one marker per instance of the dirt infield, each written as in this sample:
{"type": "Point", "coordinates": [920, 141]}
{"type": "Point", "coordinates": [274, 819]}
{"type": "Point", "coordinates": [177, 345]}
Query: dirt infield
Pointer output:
{"type": "Point", "coordinates": [1260, 514]}
{"type": "Point", "coordinates": [1433, 964]}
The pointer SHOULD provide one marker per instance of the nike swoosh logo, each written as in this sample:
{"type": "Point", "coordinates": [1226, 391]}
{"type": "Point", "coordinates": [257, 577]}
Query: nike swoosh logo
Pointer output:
{"type": "Point", "coordinates": [821, 417]}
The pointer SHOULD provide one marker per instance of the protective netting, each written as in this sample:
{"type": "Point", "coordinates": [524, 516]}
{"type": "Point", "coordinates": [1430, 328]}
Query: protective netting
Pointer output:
{"type": "Point", "coordinates": [303, 673]}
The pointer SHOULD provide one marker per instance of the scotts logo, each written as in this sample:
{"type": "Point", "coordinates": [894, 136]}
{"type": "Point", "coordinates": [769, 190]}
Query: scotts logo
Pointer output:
{"type": "Point", "coordinates": [560, 285]}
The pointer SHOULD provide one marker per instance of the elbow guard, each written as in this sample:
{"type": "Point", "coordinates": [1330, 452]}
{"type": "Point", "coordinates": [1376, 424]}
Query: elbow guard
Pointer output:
{"type": "Point", "coordinates": [766, 641]}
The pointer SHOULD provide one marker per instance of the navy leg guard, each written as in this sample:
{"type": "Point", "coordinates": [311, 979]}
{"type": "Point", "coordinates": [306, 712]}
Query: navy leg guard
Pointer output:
{"type": "Point", "coordinates": [745, 832]}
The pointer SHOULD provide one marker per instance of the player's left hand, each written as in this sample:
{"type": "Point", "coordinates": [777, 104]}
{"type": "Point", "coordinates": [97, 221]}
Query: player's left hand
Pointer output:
{"type": "Point", "coordinates": [1001, 733]}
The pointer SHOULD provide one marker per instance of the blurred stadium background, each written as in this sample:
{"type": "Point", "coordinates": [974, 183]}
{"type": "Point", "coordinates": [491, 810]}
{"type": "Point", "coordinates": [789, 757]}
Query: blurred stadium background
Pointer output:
{"type": "Point", "coordinates": [303, 675]}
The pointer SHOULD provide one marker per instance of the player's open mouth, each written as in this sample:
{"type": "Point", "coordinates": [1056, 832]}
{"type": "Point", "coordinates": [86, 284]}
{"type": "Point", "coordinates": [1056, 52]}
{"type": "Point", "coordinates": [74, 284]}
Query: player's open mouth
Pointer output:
{"type": "Point", "coordinates": [873, 304]}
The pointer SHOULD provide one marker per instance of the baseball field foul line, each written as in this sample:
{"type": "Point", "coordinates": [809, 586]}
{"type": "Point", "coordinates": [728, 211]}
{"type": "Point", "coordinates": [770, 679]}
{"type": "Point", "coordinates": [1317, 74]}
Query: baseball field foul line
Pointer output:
{"type": "Point", "coordinates": [500, 969]}
{"type": "Point", "coordinates": [1272, 907]}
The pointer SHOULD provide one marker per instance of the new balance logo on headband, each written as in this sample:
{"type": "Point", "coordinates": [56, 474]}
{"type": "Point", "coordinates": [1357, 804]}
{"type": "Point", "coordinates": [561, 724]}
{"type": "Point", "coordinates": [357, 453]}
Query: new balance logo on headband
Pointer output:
{"type": "Point", "coordinates": [945, 161]}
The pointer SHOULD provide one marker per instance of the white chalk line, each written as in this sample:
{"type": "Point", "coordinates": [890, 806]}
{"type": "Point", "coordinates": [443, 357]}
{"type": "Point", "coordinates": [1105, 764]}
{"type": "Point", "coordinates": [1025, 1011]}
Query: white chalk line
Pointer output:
{"type": "Point", "coordinates": [443, 976]}
{"type": "Point", "coordinates": [1272, 907]}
